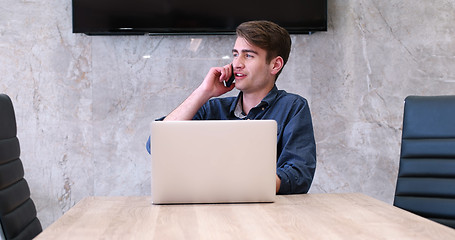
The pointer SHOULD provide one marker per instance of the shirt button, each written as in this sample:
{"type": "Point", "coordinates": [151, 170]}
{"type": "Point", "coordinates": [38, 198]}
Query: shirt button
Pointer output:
{"type": "Point", "coordinates": [263, 109]}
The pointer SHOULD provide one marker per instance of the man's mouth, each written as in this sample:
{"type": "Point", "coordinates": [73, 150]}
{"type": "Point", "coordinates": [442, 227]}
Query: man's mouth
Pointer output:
{"type": "Point", "coordinates": [239, 75]}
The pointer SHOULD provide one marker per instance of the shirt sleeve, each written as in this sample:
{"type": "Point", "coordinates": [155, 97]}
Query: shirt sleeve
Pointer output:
{"type": "Point", "coordinates": [147, 144]}
{"type": "Point", "coordinates": [296, 162]}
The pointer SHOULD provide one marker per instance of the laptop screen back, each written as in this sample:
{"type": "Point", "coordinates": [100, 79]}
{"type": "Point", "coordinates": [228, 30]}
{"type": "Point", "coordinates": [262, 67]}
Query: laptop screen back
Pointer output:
{"type": "Point", "coordinates": [213, 161]}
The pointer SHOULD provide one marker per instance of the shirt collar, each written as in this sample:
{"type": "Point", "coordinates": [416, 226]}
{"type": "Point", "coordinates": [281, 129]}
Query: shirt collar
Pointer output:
{"type": "Point", "coordinates": [236, 107]}
{"type": "Point", "coordinates": [270, 98]}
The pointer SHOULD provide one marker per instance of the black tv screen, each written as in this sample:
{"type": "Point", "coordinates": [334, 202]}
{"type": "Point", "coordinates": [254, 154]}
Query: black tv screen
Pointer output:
{"type": "Point", "coordinates": [113, 17]}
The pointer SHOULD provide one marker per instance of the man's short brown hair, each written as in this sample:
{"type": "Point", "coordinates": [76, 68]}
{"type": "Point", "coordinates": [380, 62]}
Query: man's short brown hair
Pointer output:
{"type": "Point", "coordinates": [269, 36]}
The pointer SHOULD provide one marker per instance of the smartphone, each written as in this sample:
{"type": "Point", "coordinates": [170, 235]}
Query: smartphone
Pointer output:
{"type": "Point", "coordinates": [231, 79]}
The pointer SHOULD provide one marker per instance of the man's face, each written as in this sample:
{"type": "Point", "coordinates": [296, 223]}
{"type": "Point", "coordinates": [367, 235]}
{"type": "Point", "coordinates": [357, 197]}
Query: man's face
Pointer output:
{"type": "Point", "coordinates": [252, 72]}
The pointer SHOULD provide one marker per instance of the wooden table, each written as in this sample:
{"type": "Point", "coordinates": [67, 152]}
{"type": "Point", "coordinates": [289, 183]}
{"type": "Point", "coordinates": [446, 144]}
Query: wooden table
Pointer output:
{"type": "Point", "coordinates": [310, 216]}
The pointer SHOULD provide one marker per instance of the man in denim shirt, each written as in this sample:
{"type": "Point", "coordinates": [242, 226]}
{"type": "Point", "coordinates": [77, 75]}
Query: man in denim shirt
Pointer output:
{"type": "Point", "coordinates": [260, 52]}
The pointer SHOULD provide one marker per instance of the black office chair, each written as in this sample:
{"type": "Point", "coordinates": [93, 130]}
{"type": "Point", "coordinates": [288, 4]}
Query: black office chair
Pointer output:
{"type": "Point", "coordinates": [426, 177]}
{"type": "Point", "coordinates": [17, 211]}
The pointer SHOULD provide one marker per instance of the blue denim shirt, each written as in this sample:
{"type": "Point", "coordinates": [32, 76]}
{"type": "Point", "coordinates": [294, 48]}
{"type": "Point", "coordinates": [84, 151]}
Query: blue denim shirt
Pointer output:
{"type": "Point", "coordinates": [296, 148]}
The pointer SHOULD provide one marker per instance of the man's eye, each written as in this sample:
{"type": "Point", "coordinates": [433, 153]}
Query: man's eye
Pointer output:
{"type": "Point", "coordinates": [249, 55]}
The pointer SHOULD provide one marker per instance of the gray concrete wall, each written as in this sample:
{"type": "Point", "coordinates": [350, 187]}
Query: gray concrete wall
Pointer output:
{"type": "Point", "coordinates": [84, 104]}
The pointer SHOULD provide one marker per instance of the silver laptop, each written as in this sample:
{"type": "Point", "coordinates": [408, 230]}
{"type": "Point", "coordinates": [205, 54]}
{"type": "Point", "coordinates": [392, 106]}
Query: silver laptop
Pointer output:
{"type": "Point", "coordinates": [213, 161]}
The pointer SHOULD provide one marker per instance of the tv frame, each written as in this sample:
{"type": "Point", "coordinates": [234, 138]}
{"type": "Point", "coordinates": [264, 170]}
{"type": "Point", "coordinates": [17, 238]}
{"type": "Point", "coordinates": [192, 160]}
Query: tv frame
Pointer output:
{"type": "Point", "coordinates": [191, 31]}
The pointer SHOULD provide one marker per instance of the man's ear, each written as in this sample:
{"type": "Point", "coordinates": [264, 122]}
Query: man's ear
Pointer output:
{"type": "Point", "coordinates": [276, 65]}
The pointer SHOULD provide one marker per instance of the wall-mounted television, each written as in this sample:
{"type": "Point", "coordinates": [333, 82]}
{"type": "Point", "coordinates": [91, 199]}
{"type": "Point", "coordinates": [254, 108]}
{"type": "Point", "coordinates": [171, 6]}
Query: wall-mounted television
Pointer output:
{"type": "Point", "coordinates": [126, 17]}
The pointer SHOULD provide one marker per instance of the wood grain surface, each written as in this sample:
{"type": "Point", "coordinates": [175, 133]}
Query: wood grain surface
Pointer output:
{"type": "Point", "coordinates": [308, 216]}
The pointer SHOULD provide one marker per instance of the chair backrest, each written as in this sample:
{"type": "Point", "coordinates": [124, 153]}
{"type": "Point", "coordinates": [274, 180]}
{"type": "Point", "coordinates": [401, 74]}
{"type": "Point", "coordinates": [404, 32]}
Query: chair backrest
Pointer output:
{"type": "Point", "coordinates": [17, 211]}
{"type": "Point", "coordinates": [426, 176]}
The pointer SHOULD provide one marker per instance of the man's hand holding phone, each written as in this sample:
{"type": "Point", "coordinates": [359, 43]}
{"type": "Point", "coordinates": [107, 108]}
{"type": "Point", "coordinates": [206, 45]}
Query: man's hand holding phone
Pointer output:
{"type": "Point", "coordinates": [219, 80]}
